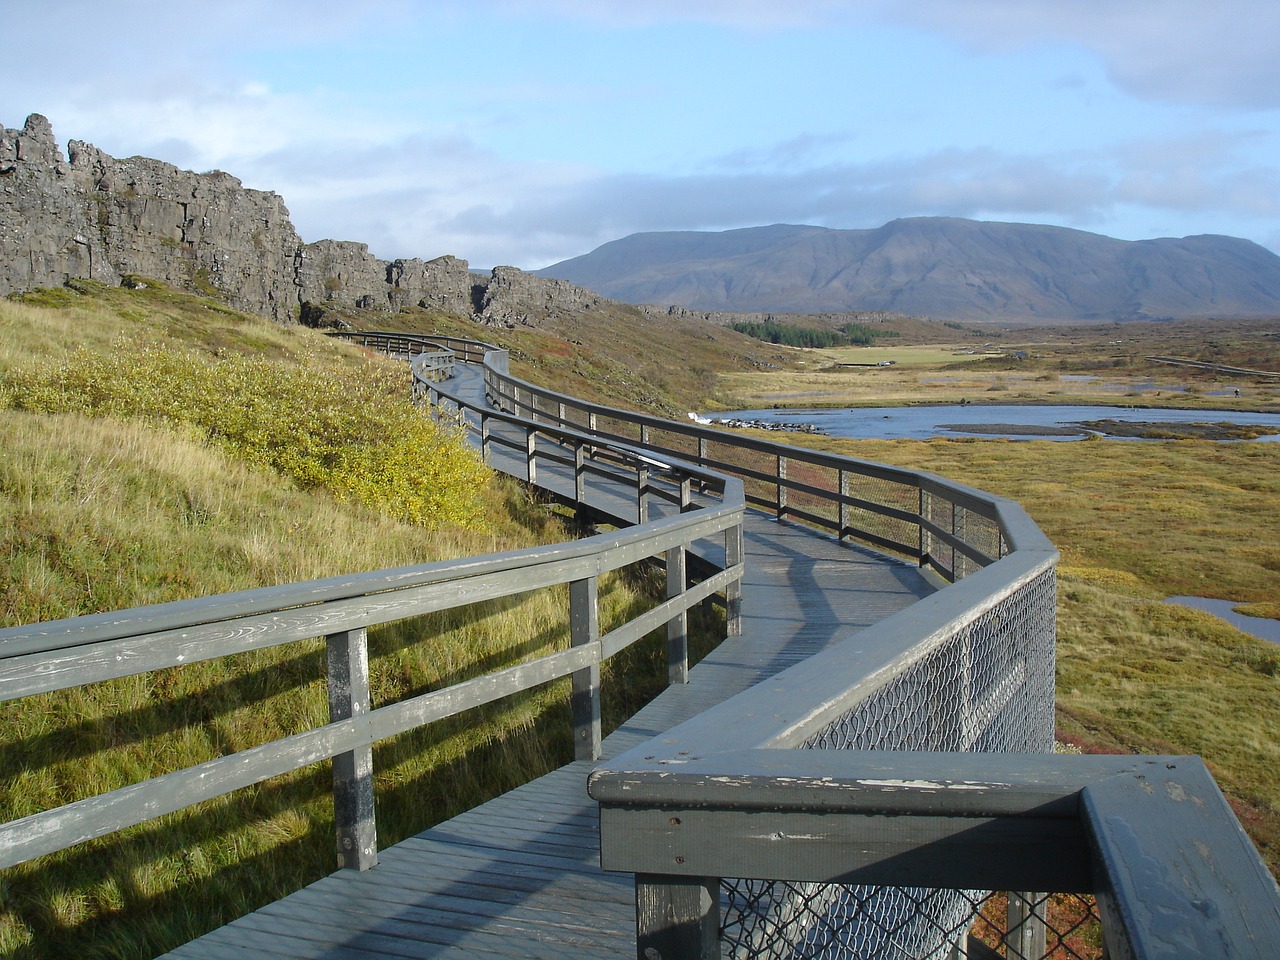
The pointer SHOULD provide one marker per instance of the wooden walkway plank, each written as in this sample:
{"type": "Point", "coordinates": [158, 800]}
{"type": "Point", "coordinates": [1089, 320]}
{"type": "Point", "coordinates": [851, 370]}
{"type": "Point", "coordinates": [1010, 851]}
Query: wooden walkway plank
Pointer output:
{"type": "Point", "coordinates": [446, 918]}
{"type": "Point", "coordinates": [519, 876]}
{"type": "Point", "coordinates": [494, 887]}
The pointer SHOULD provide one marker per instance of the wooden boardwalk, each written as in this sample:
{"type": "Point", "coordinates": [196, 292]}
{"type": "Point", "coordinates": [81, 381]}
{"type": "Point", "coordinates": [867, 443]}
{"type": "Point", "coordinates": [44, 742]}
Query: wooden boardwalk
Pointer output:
{"type": "Point", "coordinates": [519, 876]}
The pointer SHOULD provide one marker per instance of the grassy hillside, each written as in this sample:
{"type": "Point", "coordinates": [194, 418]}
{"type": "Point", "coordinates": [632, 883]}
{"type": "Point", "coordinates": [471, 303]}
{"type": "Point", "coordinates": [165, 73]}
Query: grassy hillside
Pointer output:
{"type": "Point", "coordinates": [158, 446]}
{"type": "Point", "coordinates": [615, 355]}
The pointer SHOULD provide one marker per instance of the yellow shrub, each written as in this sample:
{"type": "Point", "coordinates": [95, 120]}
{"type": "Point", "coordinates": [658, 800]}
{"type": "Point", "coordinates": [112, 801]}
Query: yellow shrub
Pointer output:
{"type": "Point", "coordinates": [348, 427]}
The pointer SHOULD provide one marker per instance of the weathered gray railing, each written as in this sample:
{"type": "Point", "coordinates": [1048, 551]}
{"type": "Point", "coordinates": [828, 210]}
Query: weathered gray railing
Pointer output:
{"type": "Point", "coordinates": [944, 525]}
{"type": "Point", "coordinates": [749, 836]}
{"type": "Point", "coordinates": [59, 655]}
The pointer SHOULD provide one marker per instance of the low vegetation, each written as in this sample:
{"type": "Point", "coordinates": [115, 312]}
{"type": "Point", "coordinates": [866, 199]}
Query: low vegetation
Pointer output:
{"type": "Point", "coordinates": [796, 335]}
{"type": "Point", "coordinates": [617, 356]}
{"type": "Point", "coordinates": [1135, 523]}
{"type": "Point", "coordinates": [1102, 364]}
{"type": "Point", "coordinates": [158, 447]}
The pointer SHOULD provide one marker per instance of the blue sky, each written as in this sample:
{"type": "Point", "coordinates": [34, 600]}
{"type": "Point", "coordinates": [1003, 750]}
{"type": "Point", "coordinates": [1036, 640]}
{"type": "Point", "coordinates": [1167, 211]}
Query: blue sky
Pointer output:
{"type": "Point", "coordinates": [521, 132]}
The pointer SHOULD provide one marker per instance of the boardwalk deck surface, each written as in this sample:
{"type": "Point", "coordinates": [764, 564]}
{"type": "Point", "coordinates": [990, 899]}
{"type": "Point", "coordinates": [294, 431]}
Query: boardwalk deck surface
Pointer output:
{"type": "Point", "coordinates": [519, 876]}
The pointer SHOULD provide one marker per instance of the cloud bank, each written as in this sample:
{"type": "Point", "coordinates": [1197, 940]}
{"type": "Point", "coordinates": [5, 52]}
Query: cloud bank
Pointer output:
{"type": "Point", "coordinates": [508, 132]}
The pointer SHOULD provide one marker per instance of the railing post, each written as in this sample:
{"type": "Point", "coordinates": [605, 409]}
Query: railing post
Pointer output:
{"type": "Point", "coordinates": [579, 476]}
{"type": "Point", "coordinates": [531, 455]}
{"type": "Point", "coordinates": [642, 494]}
{"type": "Point", "coordinates": [584, 699]}
{"type": "Point", "coordinates": [782, 487]}
{"type": "Point", "coordinates": [842, 518]}
{"type": "Point", "coordinates": [1024, 931]}
{"type": "Point", "coordinates": [484, 436]}
{"type": "Point", "coordinates": [677, 626]}
{"type": "Point", "coordinates": [677, 918]}
{"type": "Point", "coordinates": [925, 545]}
{"type": "Point", "coordinates": [733, 553]}
{"type": "Point", "coordinates": [958, 515]}
{"type": "Point", "coordinates": [347, 655]}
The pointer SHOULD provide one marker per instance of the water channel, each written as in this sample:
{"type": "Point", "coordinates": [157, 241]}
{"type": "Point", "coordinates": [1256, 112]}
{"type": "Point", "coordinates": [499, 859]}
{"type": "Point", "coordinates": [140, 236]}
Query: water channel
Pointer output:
{"type": "Point", "coordinates": [1021, 422]}
{"type": "Point", "coordinates": [1264, 628]}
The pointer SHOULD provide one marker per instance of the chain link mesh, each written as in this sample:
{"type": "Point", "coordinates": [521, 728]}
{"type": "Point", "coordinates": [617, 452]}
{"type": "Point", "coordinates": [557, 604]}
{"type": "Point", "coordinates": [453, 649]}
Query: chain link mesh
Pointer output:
{"type": "Point", "coordinates": [988, 687]}
{"type": "Point", "coordinates": [979, 532]}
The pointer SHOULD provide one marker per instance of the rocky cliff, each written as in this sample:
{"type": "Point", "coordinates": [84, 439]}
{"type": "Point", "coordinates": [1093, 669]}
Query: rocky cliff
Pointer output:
{"type": "Point", "coordinates": [89, 215]}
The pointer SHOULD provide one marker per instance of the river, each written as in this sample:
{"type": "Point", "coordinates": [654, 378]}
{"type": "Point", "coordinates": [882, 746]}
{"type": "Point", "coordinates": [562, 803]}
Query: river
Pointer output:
{"type": "Point", "coordinates": [1022, 422]}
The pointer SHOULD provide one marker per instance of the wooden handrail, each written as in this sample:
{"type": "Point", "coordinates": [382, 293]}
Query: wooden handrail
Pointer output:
{"type": "Point", "coordinates": [46, 657]}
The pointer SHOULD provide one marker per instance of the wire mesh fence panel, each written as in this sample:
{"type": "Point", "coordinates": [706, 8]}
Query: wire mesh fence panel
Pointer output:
{"type": "Point", "coordinates": [1072, 926]}
{"type": "Point", "coordinates": [986, 687]}
{"type": "Point", "coordinates": [683, 445]}
{"type": "Point", "coordinates": [979, 532]}
{"type": "Point", "coordinates": [818, 508]}
{"type": "Point", "coordinates": [618, 427]}
{"type": "Point", "coordinates": [781, 921]}
{"type": "Point", "coordinates": [883, 492]}
{"type": "Point", "coordinates": [576, 417]}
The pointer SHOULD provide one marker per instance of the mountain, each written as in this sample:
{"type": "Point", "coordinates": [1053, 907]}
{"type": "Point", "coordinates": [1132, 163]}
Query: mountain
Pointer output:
{"type": "Point", "coordinates": [942, 267]}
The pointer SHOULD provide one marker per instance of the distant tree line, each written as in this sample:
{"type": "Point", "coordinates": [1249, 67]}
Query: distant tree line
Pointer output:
{"type": "Point", "coordinates": [849, 334]}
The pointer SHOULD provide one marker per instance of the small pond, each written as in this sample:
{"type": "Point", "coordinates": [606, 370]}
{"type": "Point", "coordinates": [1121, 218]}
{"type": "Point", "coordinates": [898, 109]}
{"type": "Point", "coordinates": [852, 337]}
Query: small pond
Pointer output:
{"type": "Point", "coordinates": [1026, 422]}
{"type": "Point", "coordinates": [1264, 628]}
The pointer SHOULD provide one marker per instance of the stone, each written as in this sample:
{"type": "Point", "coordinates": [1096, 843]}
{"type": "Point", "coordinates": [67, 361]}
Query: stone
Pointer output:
{"type": "Point", "coordinates": [92, 216]}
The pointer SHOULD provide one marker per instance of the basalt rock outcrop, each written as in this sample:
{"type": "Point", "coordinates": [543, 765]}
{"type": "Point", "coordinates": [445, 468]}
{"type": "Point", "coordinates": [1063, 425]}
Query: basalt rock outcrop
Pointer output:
{"type": "Point", "coordinates": [90, 215]}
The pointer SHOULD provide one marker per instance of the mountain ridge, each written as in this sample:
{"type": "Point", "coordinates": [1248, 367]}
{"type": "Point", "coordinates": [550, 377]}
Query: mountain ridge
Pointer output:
{"type": "Point", "coordinates": [947, 268]}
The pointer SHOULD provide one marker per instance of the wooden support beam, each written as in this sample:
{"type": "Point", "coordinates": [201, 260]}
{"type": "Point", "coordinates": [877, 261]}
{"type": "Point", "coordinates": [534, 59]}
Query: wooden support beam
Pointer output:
{"type": "Point", "coordinates": [353, 807]}
{"type": "Point", "coordinates": [677, 626]}
{"type": "Point", "coordinates": [584, 629]}
{"type": "Point", "coordinates": [677, 918]}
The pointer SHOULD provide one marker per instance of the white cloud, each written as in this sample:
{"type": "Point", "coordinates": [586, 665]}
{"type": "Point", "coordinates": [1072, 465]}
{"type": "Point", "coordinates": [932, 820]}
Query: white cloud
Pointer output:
{"type": "Point", "coordinates": [1220, 53]}
{"type": "Point", "coordinates": [1176, 184]}
{"type": "Point", "coordinates": [442, 159]}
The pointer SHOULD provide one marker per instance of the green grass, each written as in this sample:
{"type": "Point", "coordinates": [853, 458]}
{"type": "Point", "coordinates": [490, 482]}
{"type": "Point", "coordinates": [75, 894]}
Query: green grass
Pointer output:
{"type": "Point", "coordinates": [151, 445]}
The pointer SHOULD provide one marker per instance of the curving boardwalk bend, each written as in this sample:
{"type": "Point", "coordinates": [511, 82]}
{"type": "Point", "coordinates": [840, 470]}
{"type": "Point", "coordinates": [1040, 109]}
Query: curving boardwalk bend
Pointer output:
{"type": "Point", "coordinates": [520, 875]}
